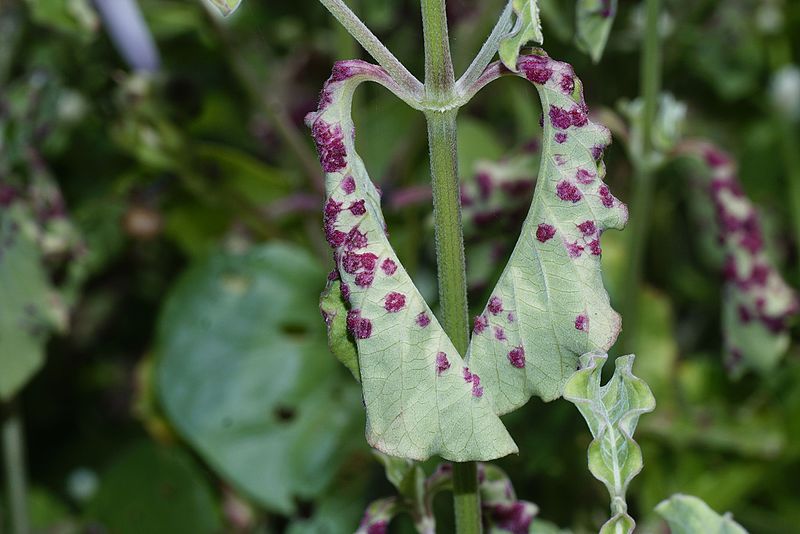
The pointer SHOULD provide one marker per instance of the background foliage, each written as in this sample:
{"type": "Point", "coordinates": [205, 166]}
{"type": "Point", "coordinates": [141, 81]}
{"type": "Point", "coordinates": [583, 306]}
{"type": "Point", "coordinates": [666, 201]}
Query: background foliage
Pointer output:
{"type": "Point", "coordinates": [176, 210]}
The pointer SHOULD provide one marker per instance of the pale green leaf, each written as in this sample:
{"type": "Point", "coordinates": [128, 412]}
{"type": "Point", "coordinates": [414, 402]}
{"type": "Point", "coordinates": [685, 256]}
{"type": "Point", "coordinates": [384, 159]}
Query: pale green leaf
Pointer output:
{"type": "Point", "coordinates": [226, 7]}
{"type": "Point", "coordinates": [686, 514]}
{"type": "Point", "coordinates": [757, 302]}
{"type": "Point", "coordinates": [341, 343]}
{"type": "Point", "coordinates": [501, 510]}
{"type": "Point", "coordinates": [27, 300]}
{"type": "Point", "coordinates": [593, 20]}
{"type": "Point", "coordinates": [550, 305]}
{"type": "Point", "coordinates": [527, 28]}
{"type": "Point", "coordinates": [612, 412]}
{"type": "Point", "coordinates": [244, 375]}
{"type": "Point", "coordinates": [420, 398]}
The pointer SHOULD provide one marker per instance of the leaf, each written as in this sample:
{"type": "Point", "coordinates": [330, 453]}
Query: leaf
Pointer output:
{"type": "Point", "coordinates": [245, 377]}
{"type": "Point", "coordinates": [528, 27]}
{"type": "Point", "coordinates": [226, 7]}
{"type": "Point", "coordinates": [612, 412]}
{"type": "Point", "coordinates": [593, 20]}
{"type": "Point", "coordinates": [501, 510]}
{"type": "Point", "coordinates": [686, 514]}
{"type": "Point", "coordinates": [75, 17]}
{"type": "Point", "coordinates": [27, 299]}
{"type": "Point", "coordinates": [341, 343]}
{"type": "Point", "coordinates": [149, 488]}
{"type": "Point", "coordinates": [420, 398]}
{"type": "Point", "coordinates": [757, 302]}
{"type": "Point", "coordinates": [550, 305]}
{"type": "Point", "coordinates": [401, 473]}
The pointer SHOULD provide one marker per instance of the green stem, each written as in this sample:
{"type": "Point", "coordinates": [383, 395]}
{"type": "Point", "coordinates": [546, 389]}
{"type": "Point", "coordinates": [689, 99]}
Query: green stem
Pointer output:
{"type": "Point", "coordinates": [789, 144]}
{"type": "Point", "coordinates": [373, 45]}
{"type": "Point", "coordinates": [14, 460]}
{"type": "Point", "coordinates": [650, 82]}
{"type": "Point", "coordinates": [439, 88]}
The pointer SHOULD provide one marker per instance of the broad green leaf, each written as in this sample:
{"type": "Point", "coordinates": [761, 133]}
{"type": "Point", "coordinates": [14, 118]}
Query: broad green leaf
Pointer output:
{"type": "Point", "coordinates": [757, 302]}
{"type": "Point", "coordinates": [612, 412]}
{"type": "Point", "coordinates": [226, 7]}
{"type": "Point", "coordinates": [686, 514]}
{"type": "Point", "coordinates": [149, 488]}
{"type": "Point", "coordinates": [593, 20]}
{"type": "Point", "coordinates": [528, 27]}
{"type": "Point", "coordinates": [550, 305]}
{"type": "Point", "coordinates": [245, 376]}
{"type": "Point", "coordinates": [340, 341]}
{"type": "Point", "coordinates": [26, 318]}
{"type": "Point", "coordinates": [420, 398]}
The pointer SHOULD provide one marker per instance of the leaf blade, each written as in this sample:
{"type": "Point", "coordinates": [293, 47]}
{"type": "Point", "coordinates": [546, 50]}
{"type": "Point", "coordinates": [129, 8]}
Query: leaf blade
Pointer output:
{"type": "Point", "coordinates": [528, 27]}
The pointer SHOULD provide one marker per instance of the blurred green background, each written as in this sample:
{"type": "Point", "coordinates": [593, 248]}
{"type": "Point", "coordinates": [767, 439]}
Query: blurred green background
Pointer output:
{"type": "Point", "coordinates": [178, 378]}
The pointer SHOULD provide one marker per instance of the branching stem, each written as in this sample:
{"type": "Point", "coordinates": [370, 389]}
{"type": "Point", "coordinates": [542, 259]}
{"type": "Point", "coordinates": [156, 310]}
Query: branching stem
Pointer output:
{"type": "Point", "coordinates": [374, 46]}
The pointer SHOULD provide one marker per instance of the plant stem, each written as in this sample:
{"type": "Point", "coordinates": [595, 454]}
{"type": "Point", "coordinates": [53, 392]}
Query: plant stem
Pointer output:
{"type": "Point", "coordinates": [439, 78]}
{"type": "Point", "coordinates": [373, 45]}
{"type": "Point", "coordinates": [487, 51]}
{"type": "Point", "coordinates": [650, 82]}
{"type": "Point", "coordinates": [14, 459]}
{"type": "Point", "coordinates": [439, 88]}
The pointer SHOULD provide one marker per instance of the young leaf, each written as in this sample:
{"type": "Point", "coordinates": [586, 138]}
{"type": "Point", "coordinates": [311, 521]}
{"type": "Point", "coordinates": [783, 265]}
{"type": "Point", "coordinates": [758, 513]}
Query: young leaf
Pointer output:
{"type": "Point", "coordinates": [756, 301]}
{"type": "Point", "coordinates": [502, 512]}
{"type": "Point", "coordinates": [378, 515]}
{"type": "Point", "coordinates": [226, 7]}
{"type": "Point", "coordinates": [528, 27]}
{"type": "Point", "coordinates": [612, 412]}
{"type": "Point", "coordinates": [334, 311]}
{"type": "Point", "coordinates": [593, 20]}
{"type": "Point", "coordinates": [420, 398]}
{"type": "Point", "coordinates": [550, 305]}
{"type": "Point", "coordinates": [686, 514]}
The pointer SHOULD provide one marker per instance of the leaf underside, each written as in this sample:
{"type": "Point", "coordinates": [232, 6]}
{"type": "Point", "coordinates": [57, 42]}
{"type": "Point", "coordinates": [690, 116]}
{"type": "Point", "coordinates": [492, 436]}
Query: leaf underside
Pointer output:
{"type": "Point", "coordinates": [686, 514]}
{"type": "Point", "coordinates": [549, 306]}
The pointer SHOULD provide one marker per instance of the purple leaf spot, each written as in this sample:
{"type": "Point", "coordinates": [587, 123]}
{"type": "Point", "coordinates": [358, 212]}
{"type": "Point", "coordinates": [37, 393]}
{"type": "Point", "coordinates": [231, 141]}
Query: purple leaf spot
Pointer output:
{"type": "Point", "coordinates": [499, 333]}
{"type": "Point", "coordinates": [594, 247]}
{"type": "Point", "coordinates": [481, 322]}
{"type": "Point", "coordinates": [484, 184]}
{"type": "Point", "coordinates": [584, 177]}
{"type": "Point", "coordinates": [567, 84]}
{"type": "Point", "coordinates": [349, 185]}
{"type": "Point", "coordinates": [495, 305]}
{"type": "Point", "coordinates": [574, 249]}
{"type": "Point", "coordinates": [587, 227]}
{"type": "Point", "coordinates": [330, 146]}
{"type": "Point", "coordinates": [356, 239]}
{"type": "Point", "coordinates": [597, 151]}
{"type": "Point", "coordinates": [560, 118]}
{"type": "Point", "coordinates": [511, 317]}
{"type": "Point", "coordinates": [394, 302]}
{"type": "Point", "coordinates": [388, 266]}
{"type": "Point", "coordinates": [442, 363]}
{"type": "Point", "coordinates": [423, 320]}
{"type": "Point", "coordinates": [517, 357]}
{"type": "Point", "coordinates": [360, 327]}
{"type": "Point", "coordinates": [544, 232]}
{"type": "Point", "coordinates": [582, 322]}
{"type": "Point", "coordinates": [568, 191]}
{"type": "Point", "coordinates": [560, 137]}
{"type": "Point", "coordinates": [364, 279]}
{"type": "Point", "coordinates": [357, 208]}
{"type": "Point", "coordinates": [605, 196]}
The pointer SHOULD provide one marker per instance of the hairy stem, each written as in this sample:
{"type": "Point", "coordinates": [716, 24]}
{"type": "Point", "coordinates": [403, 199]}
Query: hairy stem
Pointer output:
{"type": "Point", "coordinates": [439, 78]}
{"type": "Point", "coordinates": [373, 45]}
{"type": "Point", "coordinates": [14, 460]}
{"type": "Point", "coordinates": [439, 87]}
{"type": "Point", "coordinates": [650, 81]}
{"type": "Point", "coordinates": [487, 51]}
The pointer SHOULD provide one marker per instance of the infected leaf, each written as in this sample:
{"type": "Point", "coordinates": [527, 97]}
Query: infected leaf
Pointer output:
{"type": "Point", "coordinates": [612, 412]}
{"type": "Point", "coordinates": [334, 311]}
{"type": "Point", "coordinates": [420, 398]}
{"type": "Point", "coordinates": [528, 27]}
{"type": "Point", "coordinates": [757, 302]}
{"type": "Point", "coordinates": [686, 514]}
{"type": "Point", "coordinates": [550, 305]}
{"type": "Point", "coordinates": [226, 7]}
